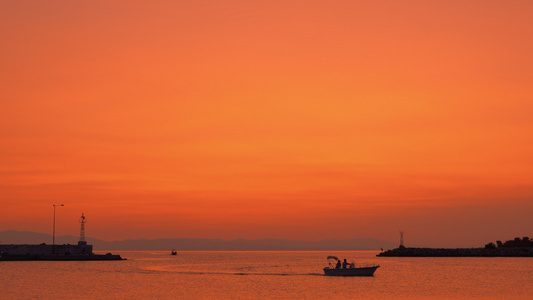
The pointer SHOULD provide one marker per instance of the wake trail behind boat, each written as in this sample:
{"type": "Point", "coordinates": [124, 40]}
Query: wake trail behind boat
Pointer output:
{"type": "Point", "coordinates": [246, 273]}
{"type": "Point", "coordinates": [280, 274]}
{"type": "Point", "coordinates": [192, 272]}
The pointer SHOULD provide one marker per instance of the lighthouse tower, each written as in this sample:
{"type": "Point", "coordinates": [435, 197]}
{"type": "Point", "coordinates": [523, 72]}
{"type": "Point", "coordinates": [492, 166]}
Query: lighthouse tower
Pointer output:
{"type": "Point", "coordinates": [82, 231]}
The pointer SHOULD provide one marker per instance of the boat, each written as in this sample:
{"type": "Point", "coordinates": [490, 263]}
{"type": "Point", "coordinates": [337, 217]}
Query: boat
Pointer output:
{"type": "Point", "coordinates": [356, 271]}
{"type": "Point", "coordinates": [174, 252]}
{"type": "Point", "coordinates": [350, 270]}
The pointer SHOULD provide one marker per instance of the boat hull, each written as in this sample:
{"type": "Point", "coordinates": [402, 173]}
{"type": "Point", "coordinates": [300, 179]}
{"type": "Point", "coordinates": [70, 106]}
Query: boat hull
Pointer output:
{"type": "Point", "coordinates": [363, 271]}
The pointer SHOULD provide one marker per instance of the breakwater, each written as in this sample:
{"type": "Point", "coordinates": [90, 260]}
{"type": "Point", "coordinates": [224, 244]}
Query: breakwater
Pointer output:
{"type": "Point", "coordinates": [81, 251]}
{"type": "Point", "coordinates": [458, 252]}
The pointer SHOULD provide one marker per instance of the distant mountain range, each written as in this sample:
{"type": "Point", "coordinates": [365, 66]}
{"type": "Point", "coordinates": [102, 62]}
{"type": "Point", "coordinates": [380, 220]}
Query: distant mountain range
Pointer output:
{"type": "Point", "coordinates": [27, 237]}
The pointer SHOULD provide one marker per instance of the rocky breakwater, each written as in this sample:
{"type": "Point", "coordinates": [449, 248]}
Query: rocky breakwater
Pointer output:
{"type": "Point", "coordinates": [458, 252]}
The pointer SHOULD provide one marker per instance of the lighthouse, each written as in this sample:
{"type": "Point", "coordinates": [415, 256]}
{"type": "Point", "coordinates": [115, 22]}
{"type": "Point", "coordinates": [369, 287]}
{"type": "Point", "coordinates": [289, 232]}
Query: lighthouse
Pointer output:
{"type": "Point", "coordinates": [82, 231]}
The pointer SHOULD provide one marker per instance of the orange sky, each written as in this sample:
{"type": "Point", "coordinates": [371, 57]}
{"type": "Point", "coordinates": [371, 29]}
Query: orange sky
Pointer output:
{"type": "Point", "coordinates": [268, 119]}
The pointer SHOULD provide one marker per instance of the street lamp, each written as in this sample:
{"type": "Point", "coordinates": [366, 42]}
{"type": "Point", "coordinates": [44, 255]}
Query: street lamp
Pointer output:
{"type": "Point", "coordinates": [54, 230]}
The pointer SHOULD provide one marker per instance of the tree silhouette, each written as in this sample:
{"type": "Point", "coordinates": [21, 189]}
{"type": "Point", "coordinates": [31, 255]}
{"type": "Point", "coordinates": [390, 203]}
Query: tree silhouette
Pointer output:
{"type": "Point", "coordinates": [524, 242]}
{"type": "Point", "coordinates": [490, 246]}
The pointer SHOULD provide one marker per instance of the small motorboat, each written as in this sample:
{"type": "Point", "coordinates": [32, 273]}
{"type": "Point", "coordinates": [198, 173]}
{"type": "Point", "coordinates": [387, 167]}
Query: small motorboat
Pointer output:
{"type": "Point", "coordinates": [350, 270]}
{"type": "Point", "coordinates": [174, 252]}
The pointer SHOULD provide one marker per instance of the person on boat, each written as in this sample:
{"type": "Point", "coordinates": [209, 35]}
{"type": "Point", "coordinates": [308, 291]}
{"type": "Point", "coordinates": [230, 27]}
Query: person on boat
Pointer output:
{"type": "Point", "coordinates": [345, 264]}
{"type": "Point", "coordinates": [338, 266]}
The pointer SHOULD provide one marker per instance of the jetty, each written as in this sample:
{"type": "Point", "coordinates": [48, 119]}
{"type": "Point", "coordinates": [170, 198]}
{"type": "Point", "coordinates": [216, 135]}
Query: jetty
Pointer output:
{"type": "Point", "coordinates": [519, 247]}
{"type": "Point", "coordinates": [458, 252]}
{"type": "Point", "coordinates": [65, 252]}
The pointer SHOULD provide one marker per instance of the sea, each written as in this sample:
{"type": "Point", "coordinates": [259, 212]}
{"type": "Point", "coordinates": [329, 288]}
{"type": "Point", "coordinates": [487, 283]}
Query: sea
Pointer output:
{"type": "Point", "coordinates": [265, 275]}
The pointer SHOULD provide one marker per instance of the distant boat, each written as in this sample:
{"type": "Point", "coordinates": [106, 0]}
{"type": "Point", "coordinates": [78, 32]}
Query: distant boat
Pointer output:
{"type": "Point", "coordinates": [174, 252]}
{"type": "Point", "coordinates": [350, 270]}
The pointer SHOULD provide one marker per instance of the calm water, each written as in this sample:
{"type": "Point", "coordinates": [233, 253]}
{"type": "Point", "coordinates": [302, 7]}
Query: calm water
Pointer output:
{"type": "Point", "coordinates": [265, 275]}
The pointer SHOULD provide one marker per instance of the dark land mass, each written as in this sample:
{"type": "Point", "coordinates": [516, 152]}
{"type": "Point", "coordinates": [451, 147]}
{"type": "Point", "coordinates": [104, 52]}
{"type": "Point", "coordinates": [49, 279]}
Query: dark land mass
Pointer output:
{"type": "Point", "coordinates": [52, 257]}
{"type": "Point", "coordinates": [519, 247]}
{"type": "Point", "coordinates": [65, 252]}
{"type": "Point", "coordinates": [186, 244]}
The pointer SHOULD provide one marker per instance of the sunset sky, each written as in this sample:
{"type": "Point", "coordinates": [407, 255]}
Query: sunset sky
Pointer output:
{"type": "Point", "coordinates": [303, 120]}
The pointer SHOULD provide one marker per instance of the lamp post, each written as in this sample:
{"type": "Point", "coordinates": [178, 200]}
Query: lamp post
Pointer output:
{"type": "Point", "coordinates": [54, 229]}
